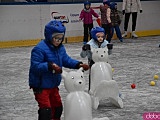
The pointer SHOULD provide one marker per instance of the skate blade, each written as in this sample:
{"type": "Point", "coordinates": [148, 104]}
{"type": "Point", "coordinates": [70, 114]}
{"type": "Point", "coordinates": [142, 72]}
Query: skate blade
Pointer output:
{"type": "Point", "coordinates": [134, 37]}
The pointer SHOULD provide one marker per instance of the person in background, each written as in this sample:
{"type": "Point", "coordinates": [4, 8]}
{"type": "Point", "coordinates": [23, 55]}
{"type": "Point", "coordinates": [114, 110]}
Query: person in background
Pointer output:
{"type": "Point", "coordinates": [86, 15]}
{"type": "Point", "coordinates": [47, 59]}
{"type": "Point", "coordinates": [105, 18]}
{"type": "Point", "coordinates": [98, 41]}
{"type": "Point", "coordinates": [116, 21]}
{"type": "Point", "coordinates": [130, 7]}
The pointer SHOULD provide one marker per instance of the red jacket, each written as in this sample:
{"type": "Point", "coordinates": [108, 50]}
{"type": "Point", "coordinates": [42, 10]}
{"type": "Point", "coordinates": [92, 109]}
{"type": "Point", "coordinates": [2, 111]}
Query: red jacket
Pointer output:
{"type": "Point", "coordinates": [86, 16]}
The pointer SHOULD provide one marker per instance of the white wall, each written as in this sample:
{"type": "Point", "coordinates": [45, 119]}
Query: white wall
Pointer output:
{"type": "Point", "coordinates": [150, 18]}
{"type": "Point", "coordinates": [23, 22]}
{"type": "Point", "coordinates": [26, 22]}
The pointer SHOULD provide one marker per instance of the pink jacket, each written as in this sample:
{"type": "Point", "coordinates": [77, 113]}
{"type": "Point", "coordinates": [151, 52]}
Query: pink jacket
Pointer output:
{"type": "Point", "coordinates": [86, 16]}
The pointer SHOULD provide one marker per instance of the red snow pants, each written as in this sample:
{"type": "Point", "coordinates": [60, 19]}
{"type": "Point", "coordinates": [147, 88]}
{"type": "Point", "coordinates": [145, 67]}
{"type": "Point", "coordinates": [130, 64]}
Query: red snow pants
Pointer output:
{"type": "Point", "coordinates": [49, 98]}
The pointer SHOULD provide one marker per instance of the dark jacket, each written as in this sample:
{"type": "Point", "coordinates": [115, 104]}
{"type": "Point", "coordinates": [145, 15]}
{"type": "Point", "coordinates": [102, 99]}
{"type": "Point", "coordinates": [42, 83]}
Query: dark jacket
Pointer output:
{"type": "Point", "coordinates": [115, 18]}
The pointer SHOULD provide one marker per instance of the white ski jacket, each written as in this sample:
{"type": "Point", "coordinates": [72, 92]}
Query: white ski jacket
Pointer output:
{"type": "Point", "coordinates": [131, 6]}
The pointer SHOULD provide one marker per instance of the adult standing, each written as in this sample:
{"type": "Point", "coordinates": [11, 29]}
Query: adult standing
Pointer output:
{"type": "Point", "coordinates": [131, 7]}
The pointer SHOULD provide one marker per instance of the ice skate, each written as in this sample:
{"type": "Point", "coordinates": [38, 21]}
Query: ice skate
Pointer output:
{"type": "Point", "coordinates": [121, 40]}
{"type": "Point", "coordinates": [84, 43]}
{"type": "Point", "coordinates": [124, 34]}
{"type": "Point", "coordinates": [134, 35]}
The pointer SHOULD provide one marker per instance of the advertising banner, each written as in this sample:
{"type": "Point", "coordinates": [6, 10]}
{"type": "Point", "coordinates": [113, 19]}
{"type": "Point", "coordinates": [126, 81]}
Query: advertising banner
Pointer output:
{"type": "Point", "coordinates": [72, 12]}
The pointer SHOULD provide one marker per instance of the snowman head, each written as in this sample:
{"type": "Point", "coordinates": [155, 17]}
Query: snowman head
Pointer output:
{"type": "Point", "coordinates": [100, 54]}
{"type": "Point", "coordinates": [74, 80]}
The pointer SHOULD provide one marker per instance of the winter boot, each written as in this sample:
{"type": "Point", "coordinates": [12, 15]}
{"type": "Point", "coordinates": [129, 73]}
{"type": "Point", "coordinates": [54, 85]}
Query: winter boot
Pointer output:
{"type": "Point", "coordinates": [134, 35]}
{"type": "Point", "coordinates": [124, 34]}
{"type": "Point", "coordinates": [44, 114]}
{"type": "Point", "coordinates": [58, 113]}
{"type": "Point", "coordinates": [84, 43]}
{"type": "Point", "coordinates": [121, 40]}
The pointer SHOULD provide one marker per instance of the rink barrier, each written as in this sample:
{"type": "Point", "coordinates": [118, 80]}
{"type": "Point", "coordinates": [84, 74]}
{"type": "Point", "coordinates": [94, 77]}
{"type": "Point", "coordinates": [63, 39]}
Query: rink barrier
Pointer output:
{"type": "Point", "coordinates": [14, 18]}
{"type": "Point", "coordinates": [24, 43]}
{"type": "Point", "coordinates": [144, 33]}
{"type": "Point", "coordinates": [18, 43]}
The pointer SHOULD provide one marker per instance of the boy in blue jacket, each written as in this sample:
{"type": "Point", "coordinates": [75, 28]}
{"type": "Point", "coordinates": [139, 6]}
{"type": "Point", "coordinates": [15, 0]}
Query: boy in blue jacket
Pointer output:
{"type": "Point", "coordinates": [47, 59]}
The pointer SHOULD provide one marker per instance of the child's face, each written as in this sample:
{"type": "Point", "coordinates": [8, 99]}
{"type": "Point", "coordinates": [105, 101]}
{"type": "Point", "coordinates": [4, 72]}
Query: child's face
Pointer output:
{"type": "Point", "coordinates": [56, 41]}
{"type": "Point", "coordinates": [87, 6]}
{"type": "Point", "coordinates": [100, 37]}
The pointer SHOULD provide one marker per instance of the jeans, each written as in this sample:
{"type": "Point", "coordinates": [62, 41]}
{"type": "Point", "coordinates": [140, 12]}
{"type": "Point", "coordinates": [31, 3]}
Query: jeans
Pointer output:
{"type": "Point", "coordinates": [118, 32]}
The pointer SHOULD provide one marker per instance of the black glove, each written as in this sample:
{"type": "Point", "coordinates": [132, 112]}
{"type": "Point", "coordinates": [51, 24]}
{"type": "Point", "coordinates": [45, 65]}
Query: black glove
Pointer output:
{"type": "Point", "coordinates": [110, 46]}
{"type": "Point", "coordinates": [123, 12]}
{"type": "Point", "coordinates": [86, 47]}
{"type": "Point", "coordinates": [54, 68]}
{"type": "Point", "coordinates": [141, 11]}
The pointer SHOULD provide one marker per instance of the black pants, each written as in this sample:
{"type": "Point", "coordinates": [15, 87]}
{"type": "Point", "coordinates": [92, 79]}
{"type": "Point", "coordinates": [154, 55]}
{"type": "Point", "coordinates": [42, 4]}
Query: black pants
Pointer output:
{"type": "Point", "coordinates": [108, 31]}
{"type": "Point", "coordinates": [87, 29]}
{"type": "Point", "coordinates": [126, 20]}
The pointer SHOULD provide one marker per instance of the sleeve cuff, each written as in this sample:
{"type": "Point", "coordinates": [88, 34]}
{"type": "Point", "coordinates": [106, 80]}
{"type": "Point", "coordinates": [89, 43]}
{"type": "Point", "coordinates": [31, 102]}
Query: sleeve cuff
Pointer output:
{"type": "Point", "coordinates": [77, 65]}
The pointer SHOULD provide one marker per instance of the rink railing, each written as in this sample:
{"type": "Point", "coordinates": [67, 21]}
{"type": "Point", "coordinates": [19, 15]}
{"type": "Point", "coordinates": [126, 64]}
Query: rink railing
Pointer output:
{"type": "Point", "coordinates": [23, 25]}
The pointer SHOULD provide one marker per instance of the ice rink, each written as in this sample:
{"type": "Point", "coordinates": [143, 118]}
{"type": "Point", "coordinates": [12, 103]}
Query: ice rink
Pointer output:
{"type": "Point", "coordinates": [134, 61]}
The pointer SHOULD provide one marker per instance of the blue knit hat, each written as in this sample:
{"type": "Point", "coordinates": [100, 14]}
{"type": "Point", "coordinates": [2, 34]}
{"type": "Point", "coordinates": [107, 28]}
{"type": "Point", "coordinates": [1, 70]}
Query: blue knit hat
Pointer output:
{"type": "Point", "coordinates": [112, 5]}
{"type": "Point", "coordinates": [106, 2]}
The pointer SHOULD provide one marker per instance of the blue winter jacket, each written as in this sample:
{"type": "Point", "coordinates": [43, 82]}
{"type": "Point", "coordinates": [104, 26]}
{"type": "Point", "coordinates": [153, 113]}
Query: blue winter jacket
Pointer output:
{"type": "Point", "coordinates": [42, 53]}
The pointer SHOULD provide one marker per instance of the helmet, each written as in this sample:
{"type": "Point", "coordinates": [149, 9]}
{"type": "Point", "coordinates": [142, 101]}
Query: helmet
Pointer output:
{"type": "Point", "coordinates": [106, 2]}
{"type": "Point", "coordinates": [96, 30]}
{"type": "Point", "coordinates": [112, 5]}
{"type": "Point", "coordinates": [87, 3]}
{"type": "Point", "coordinates": [52, 27]}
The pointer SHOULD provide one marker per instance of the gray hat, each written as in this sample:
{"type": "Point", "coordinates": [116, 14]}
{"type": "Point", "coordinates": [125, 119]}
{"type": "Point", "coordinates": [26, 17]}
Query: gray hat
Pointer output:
{"type": "Point", "coordinates": [54, 34]}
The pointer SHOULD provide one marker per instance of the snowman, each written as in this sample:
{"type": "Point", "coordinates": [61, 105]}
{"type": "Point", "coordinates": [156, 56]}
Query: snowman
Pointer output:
{"type": "Point", "coordinates": [77, 105]}
{"type": "Point", "coordinates": [102, 86]}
